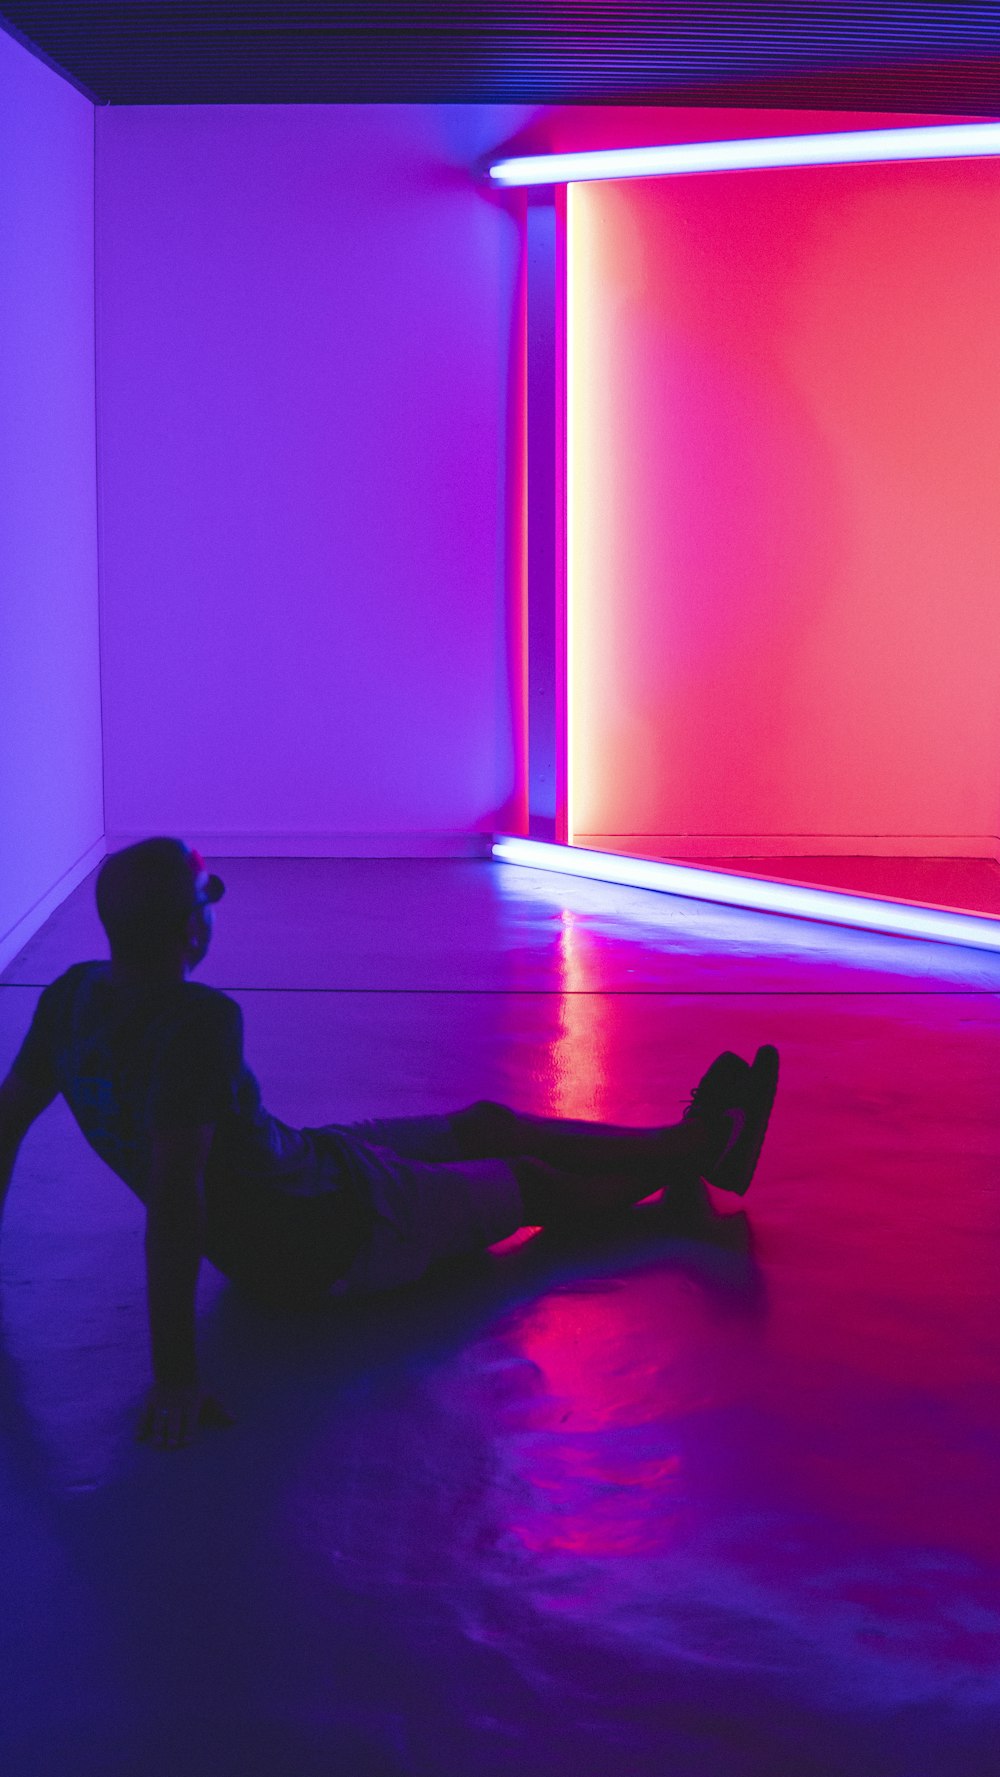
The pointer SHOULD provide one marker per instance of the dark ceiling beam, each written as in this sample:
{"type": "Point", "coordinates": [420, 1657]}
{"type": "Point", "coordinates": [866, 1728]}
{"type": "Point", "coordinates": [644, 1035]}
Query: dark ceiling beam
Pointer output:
{"type": "Point", "coordinates": [800, 53]}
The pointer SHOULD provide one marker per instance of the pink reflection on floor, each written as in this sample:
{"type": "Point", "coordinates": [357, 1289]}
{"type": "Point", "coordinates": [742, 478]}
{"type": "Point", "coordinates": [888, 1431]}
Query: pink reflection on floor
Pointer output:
{"type": "Point", "coordinates": [617, 1370]}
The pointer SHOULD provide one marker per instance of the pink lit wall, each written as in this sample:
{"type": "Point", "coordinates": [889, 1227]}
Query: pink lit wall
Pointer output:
{"type": "Point", "coordinates": [785, 538]}
{"type": "Point", "coordinates": [306, 323]}
{"type": "Point", "coordinates": [51, 813]}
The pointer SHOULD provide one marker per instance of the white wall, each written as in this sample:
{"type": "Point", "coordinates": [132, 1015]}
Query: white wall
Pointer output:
{"type": "Point", "coordinates": [51, 813]}
{"type": "Point", "coordinates": [305, 324]}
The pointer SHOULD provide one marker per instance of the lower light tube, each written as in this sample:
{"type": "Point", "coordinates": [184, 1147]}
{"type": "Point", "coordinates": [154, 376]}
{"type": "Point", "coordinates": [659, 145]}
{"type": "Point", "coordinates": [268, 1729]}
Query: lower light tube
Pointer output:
{"type": "Point", "coordinates": [826, 905]}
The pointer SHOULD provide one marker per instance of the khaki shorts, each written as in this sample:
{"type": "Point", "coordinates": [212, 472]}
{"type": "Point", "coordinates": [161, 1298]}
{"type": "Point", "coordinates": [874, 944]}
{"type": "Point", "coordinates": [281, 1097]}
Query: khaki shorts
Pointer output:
{"type": "Point", "coordinates": [429, 1203]}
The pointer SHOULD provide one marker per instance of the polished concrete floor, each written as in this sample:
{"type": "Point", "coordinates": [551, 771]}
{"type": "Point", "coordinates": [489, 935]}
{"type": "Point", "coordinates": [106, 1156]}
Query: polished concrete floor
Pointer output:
{"type": "Point", "coordinates": [716, 1493]}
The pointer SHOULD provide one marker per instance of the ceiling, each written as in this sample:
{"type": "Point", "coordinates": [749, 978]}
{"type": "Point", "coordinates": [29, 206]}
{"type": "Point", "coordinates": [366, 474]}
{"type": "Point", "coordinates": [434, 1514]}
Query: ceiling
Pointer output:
{"type": "Point", "coordinates": [804, 53]}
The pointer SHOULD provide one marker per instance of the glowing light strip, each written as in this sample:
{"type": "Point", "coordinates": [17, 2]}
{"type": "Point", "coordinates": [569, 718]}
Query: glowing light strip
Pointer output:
{"type": "Point", "coordinates": [947, 141]}
{"type": "Point", "coordinates": [570, 477]}
{"type": "Point", "coordinates": [933, 142]}
{"type": "Point", "coordinates": [898, 917]}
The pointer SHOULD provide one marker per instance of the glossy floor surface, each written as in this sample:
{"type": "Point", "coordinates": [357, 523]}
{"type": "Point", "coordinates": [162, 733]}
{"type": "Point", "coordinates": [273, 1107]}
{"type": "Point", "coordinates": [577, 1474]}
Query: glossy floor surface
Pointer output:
{"type": "Point", "coordinates": [715, 1493]}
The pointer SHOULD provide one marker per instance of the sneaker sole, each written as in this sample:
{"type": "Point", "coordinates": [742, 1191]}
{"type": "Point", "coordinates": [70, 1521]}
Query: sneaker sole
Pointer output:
{"type": "Point", "coordinates": [737, 1169]}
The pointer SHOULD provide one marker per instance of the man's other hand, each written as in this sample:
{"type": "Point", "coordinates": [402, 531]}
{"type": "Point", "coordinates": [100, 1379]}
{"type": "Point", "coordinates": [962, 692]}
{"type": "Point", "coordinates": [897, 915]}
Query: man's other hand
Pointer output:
{"type": "Point", "coordinates": [170, 1417]}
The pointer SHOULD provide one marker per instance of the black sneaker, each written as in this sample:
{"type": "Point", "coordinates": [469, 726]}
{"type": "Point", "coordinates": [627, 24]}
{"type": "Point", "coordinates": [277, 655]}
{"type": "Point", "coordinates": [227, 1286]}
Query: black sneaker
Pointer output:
{"type": "Point", "coordinates": [718, 1102]}
{"type": "Point", "coordinates": [748, 1118]}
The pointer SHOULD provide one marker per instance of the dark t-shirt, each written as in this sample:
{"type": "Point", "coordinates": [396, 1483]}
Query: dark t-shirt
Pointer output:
{"type": "Point", "coordinates": [283, 1206]}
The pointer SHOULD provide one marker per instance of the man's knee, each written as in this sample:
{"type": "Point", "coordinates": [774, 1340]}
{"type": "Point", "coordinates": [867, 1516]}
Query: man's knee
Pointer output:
{"type": "Point", "coordinates": [486, 1127]}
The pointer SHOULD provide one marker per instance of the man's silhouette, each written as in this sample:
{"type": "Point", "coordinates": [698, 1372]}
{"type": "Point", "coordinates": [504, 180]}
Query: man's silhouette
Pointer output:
{"type": "Point", "coordinates": [151, 1065]}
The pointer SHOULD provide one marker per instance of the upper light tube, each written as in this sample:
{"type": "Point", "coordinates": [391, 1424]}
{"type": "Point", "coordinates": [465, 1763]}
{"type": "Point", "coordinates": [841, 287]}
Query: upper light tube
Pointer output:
{"type": "Point", "coordinates": [950, 141]}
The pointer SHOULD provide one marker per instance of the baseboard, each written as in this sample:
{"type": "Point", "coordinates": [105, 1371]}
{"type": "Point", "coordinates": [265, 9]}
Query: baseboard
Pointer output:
{"type": "Point", "coordinates": [14, 941]}
{"type": "Point", "coordinates": [795, 845]}
{"type": "Point", "coordinates": [328, 845]}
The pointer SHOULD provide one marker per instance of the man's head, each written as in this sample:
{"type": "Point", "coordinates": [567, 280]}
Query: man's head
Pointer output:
{"type": "Point", "coordinates": [155, 902]}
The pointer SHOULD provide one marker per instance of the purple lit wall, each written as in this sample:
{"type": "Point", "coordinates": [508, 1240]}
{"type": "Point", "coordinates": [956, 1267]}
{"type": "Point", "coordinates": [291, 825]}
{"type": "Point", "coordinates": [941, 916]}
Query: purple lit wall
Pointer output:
{"type": "Point", "coordinates": [51, 815]}
{"type": "Point", "coordinates": [310, 381]}
{"type": "Point", "coordinates": [305, 323]}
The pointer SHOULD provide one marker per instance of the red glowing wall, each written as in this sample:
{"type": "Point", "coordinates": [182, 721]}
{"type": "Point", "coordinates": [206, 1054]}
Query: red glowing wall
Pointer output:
{"type": "Point", "coordinates": [784, 437]}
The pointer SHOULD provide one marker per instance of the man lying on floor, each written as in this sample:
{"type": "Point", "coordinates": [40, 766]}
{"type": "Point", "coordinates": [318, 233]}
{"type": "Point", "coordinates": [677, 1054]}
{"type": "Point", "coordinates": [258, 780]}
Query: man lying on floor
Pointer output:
{"type": "Point", "coordinates": [151, 1066]}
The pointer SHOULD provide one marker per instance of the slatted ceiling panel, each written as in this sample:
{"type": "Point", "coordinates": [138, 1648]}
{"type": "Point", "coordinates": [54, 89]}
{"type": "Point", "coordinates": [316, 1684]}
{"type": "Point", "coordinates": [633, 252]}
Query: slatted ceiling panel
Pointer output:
{"type": "Point", "coordinates": [805, 53]}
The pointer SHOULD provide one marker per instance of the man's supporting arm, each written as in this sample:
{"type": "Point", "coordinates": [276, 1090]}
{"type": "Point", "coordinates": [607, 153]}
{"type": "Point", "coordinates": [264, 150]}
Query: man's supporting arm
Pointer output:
{"type": "Point", "coordinates": [175, 1223]}
{"type": "Point", "coordinates": [20, 1104]}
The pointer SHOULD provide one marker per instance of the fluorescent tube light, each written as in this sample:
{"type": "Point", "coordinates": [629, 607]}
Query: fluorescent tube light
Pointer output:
{"type": "Point", "coordinates": [695, 884]}
{"type": "Point", "coordinates": [947, 141]}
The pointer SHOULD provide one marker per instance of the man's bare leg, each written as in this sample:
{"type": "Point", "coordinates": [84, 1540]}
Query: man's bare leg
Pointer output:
{"type": "Point", "coordinates": [568, 1169]}
{"type": "Point", "coordinates": [494, 1131]}
{"type": "Point", "coordinates": [718, 1138]}
{"type": "Point", "coordinates": [489, 1130]}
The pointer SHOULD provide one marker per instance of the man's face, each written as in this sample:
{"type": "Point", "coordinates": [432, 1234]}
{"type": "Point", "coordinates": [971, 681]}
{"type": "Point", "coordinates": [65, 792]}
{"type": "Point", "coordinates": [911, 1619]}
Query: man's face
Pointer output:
{"type": "Point", "coordinates": [202, 926]}
{"type": "Point", "coordinates": [201, 923]}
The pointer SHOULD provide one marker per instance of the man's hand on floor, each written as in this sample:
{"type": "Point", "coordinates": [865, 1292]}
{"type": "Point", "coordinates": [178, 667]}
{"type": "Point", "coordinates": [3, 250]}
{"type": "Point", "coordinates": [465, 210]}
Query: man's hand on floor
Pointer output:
{"type": "Point", "coordinates": [171, 1417]}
